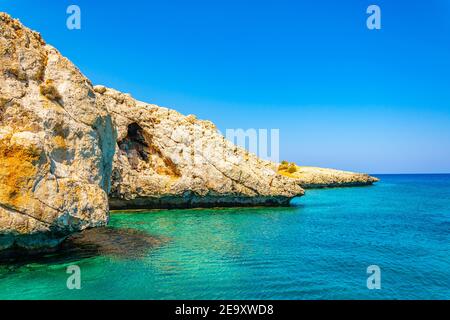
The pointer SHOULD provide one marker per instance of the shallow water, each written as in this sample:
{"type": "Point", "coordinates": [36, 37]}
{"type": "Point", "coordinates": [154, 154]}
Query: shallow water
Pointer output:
{"type": "Point", "coordinates": [319, 248]}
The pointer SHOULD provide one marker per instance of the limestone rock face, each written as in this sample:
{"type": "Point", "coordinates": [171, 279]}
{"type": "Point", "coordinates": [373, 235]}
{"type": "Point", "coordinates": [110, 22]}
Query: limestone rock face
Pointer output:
{"type": "Point", "coordinates": [167, 160]}
{"type": "Point", "coordinates": [56, 144]}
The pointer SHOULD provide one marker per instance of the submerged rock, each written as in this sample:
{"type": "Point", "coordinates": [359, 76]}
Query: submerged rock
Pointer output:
{"type": "Point", "coordinates": [56, 144]}
{"type": "Point", "coordinates": [104, 241]}
{"type": "Point", "coordinates": [167, 160]}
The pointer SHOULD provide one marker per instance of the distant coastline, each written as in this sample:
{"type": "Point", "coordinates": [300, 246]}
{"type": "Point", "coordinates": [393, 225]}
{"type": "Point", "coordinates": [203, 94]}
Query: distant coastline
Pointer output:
{"type": "Point", "coordinates": [316, 178]}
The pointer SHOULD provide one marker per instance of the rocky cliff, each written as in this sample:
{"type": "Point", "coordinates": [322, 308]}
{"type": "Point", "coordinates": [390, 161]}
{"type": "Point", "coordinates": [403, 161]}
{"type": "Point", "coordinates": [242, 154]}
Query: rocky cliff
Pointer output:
{"type": "Point", "coordinates": [56, 144]}
{"type": "Point", "coordinates": [166, 160]}
{"type": "Point", "coordinates": [66, 145]}
{"type": "Point", "coordinates": [62, 141]}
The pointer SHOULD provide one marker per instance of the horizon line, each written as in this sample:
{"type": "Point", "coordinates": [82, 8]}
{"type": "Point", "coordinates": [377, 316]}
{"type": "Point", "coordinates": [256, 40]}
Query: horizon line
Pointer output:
{"type": "Point", "coordinates": [412, 173]}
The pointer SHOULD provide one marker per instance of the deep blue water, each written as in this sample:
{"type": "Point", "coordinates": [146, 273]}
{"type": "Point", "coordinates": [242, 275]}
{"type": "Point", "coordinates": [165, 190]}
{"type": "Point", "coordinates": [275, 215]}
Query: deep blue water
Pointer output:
{"type": "Point", "coordinates": [319, 248]}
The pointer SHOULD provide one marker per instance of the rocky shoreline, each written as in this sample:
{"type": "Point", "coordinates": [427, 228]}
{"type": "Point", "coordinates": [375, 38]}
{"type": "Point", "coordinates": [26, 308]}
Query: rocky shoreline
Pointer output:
{"type": "Point", "coordinates": [317, 178]}
{"type": "Point", "coordinates": [193, 201]}
{"type": "Point", "coordinates": [70, 151]}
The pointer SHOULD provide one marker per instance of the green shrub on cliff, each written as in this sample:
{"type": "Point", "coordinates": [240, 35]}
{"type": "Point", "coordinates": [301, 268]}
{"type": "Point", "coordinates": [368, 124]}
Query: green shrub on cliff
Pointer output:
{"type": "Point", "coordinates": [283, 166]}
{"type": "Point", "coordinates": [288, 167]}
{"type": "Point", "coordinates": [292, 168]}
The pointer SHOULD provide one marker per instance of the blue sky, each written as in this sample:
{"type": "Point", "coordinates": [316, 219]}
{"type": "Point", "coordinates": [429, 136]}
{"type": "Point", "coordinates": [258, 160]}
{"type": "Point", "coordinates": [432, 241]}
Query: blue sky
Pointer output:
{"type": "Point", "coordinates": [342, 96]}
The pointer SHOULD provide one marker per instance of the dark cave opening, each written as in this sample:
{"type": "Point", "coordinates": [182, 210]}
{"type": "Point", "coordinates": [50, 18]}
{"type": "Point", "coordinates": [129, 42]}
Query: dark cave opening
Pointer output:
{"type": "Point", "coordinates": [134, 145]}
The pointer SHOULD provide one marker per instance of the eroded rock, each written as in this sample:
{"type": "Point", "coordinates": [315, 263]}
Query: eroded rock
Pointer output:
{"type": "Point", "coordinates": [168, 160]}
{"type": "Point", "coordinates": [56, 144]}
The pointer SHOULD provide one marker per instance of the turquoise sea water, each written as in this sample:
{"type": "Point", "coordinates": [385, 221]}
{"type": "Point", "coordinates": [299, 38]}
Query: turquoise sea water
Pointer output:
{"type": "Point", "coordinates": [319, 248]}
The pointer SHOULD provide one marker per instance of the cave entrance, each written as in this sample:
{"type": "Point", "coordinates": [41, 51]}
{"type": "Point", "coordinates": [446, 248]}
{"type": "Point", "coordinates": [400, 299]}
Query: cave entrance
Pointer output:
{"type": "Point", "coordinates": [135, 146]}
{"type": "Point", "coordinates": [143, 154]}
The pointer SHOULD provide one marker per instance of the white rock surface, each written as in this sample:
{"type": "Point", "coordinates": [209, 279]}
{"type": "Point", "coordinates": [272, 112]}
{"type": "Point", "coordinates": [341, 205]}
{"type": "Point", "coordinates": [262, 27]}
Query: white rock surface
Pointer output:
{"type": "Point", "coordinates": [167, 160]}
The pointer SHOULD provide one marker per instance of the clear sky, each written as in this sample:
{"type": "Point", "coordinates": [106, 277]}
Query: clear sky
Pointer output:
{"type": "Point", "coordinates": [342, 96]}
